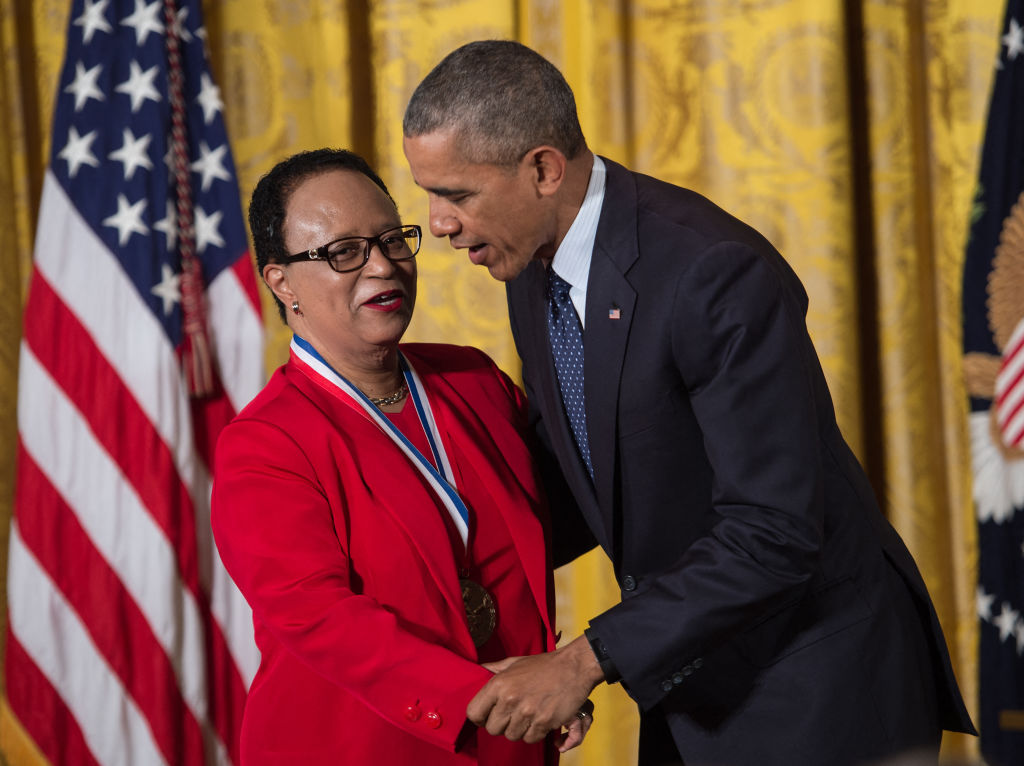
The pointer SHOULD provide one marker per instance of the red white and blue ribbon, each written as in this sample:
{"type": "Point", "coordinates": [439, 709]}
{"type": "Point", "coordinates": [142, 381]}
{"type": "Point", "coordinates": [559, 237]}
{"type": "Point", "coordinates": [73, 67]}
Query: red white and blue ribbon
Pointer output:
{"type": "Point", "coordinates": [442, 478]}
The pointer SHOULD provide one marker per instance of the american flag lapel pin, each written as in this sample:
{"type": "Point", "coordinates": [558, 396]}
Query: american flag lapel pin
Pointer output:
{"type": "Point", "coordinates": [614, 313]}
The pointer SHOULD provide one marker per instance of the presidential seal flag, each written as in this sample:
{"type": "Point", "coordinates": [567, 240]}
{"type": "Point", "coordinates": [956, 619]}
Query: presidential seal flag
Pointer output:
{"type": "Point", "coordinates": [127, 642]}
{"type": "Point", "coordinates": [993, 310]}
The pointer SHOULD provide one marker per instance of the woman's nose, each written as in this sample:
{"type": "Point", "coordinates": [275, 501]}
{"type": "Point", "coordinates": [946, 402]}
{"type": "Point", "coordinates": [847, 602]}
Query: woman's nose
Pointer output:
{"type": "Point", "coordinates": [377, 262]}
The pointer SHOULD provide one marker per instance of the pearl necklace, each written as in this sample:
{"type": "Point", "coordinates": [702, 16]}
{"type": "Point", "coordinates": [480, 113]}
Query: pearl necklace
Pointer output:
{"type": "Point", "coordinates": [394, 398]}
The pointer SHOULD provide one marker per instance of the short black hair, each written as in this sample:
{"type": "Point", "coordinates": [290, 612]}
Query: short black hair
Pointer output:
{"type": "Point", "coordinates": [270, 199]}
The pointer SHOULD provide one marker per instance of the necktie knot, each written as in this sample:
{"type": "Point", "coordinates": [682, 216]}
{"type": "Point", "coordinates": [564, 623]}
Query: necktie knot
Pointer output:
{"type": "Point", "coordinates": [558, 288]}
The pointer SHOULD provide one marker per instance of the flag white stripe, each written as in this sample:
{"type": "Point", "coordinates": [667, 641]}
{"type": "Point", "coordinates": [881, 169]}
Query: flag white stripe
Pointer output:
{"type": "Point", "coordinates": [116, 521]}
{"type": "Point", "coordinates": [236, 331]}
{"type": "Point", "coordinates": [233, 614]}
{"type": "Point", "coordinates": [227, 604]}
{"type": "Point", "coordinates": [113, 727]}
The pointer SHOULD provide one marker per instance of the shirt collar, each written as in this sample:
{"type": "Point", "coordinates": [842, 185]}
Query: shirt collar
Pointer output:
{"type": "Point", "coordinates": [572, 259]}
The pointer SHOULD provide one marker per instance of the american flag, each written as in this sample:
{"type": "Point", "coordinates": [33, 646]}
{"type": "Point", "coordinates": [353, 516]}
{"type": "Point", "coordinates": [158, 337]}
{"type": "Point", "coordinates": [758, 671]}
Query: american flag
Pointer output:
{"type": "Point", "coordinates": [127, 641]}
{"type": "Point", "coordinates": [993, 308]}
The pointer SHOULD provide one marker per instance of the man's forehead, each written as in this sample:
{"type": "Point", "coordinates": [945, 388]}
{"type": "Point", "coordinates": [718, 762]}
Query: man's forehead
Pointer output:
{"type": "Point", "coordinates": [437, 143]}
{"type": "Point", "coordinates": [437, 165]}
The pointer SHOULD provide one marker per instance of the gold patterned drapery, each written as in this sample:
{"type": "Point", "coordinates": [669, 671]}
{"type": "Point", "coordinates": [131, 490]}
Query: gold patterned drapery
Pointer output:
{"type": "Point", "coordinates": [847, 132]}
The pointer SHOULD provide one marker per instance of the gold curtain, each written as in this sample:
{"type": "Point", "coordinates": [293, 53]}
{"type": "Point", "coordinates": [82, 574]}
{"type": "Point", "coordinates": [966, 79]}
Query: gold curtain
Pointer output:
{"type": "Point", "coordinates": [847, 132]}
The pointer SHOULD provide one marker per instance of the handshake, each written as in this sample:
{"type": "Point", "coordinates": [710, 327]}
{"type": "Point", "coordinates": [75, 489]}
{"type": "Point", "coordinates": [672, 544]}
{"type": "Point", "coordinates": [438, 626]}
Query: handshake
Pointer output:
{"type": "Point", "coordinates": [531, 696]}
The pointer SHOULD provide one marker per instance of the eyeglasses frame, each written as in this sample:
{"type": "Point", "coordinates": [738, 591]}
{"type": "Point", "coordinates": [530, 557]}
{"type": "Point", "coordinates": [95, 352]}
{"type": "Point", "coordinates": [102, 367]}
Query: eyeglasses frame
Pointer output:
{"type": "Point", "coordinates": [320, 253]}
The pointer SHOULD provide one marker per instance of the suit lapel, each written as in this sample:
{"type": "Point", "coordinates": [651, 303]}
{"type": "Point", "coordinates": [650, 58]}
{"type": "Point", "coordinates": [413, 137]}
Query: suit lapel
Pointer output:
{"type": "Point", "coordinates": [610, 304]}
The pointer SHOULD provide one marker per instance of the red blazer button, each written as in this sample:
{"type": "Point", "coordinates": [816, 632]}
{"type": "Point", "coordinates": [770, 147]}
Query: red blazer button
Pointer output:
{"type": "Point", "coordinates": [412, 713]}
{"type": "Point", "coordinates": [433, 719]}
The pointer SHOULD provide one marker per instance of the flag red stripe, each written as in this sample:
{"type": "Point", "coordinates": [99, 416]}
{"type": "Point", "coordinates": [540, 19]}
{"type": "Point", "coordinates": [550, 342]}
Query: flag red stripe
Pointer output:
{"type": "Point", "coordinates": [41, 710]}
{"type": "Point", "coordinates": [115, 623]}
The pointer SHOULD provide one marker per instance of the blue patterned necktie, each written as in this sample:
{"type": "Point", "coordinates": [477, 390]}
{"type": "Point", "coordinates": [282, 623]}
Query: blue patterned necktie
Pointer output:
{"type": "Point", "coordinates": [567, 351]}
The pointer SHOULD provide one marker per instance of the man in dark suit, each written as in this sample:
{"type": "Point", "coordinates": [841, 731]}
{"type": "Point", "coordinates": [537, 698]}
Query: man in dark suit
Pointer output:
{"type": "Point", "coordinates": [770, 614]}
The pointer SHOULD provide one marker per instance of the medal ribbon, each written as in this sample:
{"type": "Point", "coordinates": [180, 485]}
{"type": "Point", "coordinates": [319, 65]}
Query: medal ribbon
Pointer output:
{"type": "Point", "coordinates": [443, 485]}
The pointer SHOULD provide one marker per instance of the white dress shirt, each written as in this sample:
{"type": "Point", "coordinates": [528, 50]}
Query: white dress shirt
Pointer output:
{"type": "Point", "coordinates": [572, 259]}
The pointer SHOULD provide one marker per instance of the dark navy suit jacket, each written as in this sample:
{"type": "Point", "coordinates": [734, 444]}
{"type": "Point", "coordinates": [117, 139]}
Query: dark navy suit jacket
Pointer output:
{"type": "Point", "coordinates": [769, 610]}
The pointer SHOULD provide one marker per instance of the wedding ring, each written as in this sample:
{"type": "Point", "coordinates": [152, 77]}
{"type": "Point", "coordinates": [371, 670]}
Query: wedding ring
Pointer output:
{"type": "Point", "coordinates": [585, 711]}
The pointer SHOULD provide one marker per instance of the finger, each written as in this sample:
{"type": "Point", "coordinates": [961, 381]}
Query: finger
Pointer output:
{"type": "Point", "coordinates": [576, 729]}
{"type": "Point", "coordinates": [573, 736]}
{"type": "Point", "coordinates": [479, 708]}
{"type": "Point", "coordinates": [517, 728]}
{"type": "Point", "coordinates": [587, 723]}
{"type": "Point", "coordinates": [500, 665]}
{"type": "Point", "coordinates": [537, 732]}
{"type": "Point", "coordinates": [497, 722]}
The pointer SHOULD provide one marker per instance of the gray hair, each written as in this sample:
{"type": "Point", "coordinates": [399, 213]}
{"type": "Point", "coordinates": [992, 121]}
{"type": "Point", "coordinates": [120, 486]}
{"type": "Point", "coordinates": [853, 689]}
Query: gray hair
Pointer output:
{"type": "Point", "coordinates": [501, 98]}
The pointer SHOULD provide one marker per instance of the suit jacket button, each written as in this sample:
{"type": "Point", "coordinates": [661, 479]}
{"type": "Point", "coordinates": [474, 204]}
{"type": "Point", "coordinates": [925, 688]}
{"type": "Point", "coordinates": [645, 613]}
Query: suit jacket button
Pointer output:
{"type": "Point", "coordinates": [698, 663]}
{"type": "Point", "coordinates": [666, 685]}
{"type": "Point", "coordinates": [433, 719]}
{"type": "Point", "coordinates": [412, 713]}
{"type": "Point", "coordinates": [688, 670]}
{"type": "Point", "coordinates": [677, 678]}
{"type": "Point", "coordinates": [628, 583]}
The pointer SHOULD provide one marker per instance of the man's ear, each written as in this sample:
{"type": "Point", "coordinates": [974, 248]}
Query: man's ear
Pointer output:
{"type": "Point", "coordinates": [277, 280]}
{"type": "Point", "coordinates": [547, 166]}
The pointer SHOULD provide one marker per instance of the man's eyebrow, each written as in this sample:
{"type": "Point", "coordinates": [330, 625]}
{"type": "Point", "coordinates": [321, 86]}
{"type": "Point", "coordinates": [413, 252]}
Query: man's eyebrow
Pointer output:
{"type": "Point", "coordinates": [444, 191]}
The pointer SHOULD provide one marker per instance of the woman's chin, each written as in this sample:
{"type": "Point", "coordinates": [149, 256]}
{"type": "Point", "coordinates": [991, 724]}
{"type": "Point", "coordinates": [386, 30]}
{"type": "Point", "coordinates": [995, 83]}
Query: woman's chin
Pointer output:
{"type": "Point", "coordinates": [390, 339]}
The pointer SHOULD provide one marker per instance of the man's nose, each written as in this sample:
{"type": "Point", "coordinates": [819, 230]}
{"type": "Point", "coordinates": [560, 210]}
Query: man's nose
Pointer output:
{"type": "Point", "coordinates": [443, 222]}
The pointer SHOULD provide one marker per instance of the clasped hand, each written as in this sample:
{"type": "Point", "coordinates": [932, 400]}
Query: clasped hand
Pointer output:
{"type": "Point", "coordinates": [531, 696]}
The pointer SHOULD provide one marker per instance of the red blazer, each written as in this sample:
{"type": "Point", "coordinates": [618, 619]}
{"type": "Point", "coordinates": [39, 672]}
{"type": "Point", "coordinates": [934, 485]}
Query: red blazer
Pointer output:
{"type": "Point", "coordinates": [340, 547]}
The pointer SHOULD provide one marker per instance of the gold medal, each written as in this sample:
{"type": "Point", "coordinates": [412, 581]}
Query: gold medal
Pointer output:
{"type": "Point", "coordinates": [481, 613]}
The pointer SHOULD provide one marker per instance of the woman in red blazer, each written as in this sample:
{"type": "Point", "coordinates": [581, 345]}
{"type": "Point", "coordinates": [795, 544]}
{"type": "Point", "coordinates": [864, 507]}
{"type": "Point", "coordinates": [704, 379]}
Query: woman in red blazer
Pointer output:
{"type": "Point", "coordinates": [376, 504]}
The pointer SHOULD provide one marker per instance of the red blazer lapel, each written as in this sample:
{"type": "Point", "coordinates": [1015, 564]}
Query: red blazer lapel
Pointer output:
{"type": "Point", "coordinates": [408, 498]}
{"type": "Point", "coordinates": [494, 447]}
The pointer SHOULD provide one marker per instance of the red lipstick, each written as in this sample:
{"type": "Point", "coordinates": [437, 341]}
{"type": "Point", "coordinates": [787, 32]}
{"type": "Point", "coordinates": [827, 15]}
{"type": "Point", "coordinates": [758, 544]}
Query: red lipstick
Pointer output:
{"type": "Point", "coordinates": [389, 300]}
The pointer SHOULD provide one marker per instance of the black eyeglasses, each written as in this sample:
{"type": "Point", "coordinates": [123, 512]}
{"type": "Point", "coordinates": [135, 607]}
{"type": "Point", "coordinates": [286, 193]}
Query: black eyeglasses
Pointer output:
{"type": "Point", "coordinates": [352, 253]}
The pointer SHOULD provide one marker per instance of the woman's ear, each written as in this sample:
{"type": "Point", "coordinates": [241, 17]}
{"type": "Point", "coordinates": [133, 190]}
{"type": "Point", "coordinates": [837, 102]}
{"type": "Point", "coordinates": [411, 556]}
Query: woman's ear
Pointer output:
{"type": "Point", "coordinates": [276, 277]}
